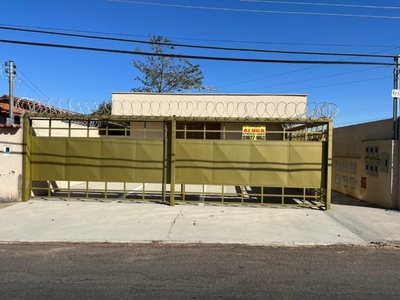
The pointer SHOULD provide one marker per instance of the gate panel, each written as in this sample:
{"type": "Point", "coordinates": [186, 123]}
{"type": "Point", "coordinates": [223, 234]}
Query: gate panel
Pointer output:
{"type": "Point", "coordinates": [48, 158]}
{"type": "Point", "coordinates": [149, 160]}
{"type": "Point", "coordinates": [117, 160]}
{"type": "Point", "coordinates": [269, 163]}
{"type": "Point", "coordinates": [83, 157]}
{"type": "Point", "coordinates": [194, 161]}
{"type": "Point", "coordinates": [305, 164]}
{"type": "Point", "coordinates": [272, 163]}
{"type": "Point", "coordinates": [97, 159]}
{"type": "Point", "coordinates": [232, 162]}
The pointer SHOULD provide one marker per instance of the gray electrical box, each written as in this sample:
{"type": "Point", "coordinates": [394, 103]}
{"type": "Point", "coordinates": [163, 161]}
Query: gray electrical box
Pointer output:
{"type": "Point", "coordinates": [367, 151]}
{"type": "Point", "coordinates": [344, 180]}
{"type": "Point", "coordinates": [352, 182]}
{"type": "Point", "coordinates": [353, 168]}
{"type": "Point", "coordinates": [384, 164]}
{"type": "Point", "coordinates": [376, 152]}
{"type": "Point", "coordinates": [373, 161]}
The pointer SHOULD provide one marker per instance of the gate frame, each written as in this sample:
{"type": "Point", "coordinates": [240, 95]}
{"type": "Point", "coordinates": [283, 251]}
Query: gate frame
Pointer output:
{"type": "Point", "coordinates": [305, 123]}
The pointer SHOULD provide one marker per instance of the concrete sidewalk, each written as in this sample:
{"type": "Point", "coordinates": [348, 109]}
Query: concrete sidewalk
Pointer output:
{"type": "Point", "coordinates": [348, 222]}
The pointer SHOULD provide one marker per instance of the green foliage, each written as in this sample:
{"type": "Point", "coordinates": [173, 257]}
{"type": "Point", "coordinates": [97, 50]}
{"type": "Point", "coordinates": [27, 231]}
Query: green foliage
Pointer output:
{"type": "Point", "coordinates": [163, 74]}
{"type": "Point", "coordinates": [103, 109]}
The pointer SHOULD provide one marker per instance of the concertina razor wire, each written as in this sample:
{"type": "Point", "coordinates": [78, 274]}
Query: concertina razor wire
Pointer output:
{"type": "Point", "coordinates": [191, 109]}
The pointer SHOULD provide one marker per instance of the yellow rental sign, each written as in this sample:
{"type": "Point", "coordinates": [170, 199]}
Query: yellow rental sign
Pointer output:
{"type": "Point", "coordinates": [256, 133]}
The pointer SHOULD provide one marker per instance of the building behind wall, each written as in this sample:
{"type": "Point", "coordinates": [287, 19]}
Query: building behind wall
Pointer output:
{"type": "Point", "coordinates": [215, 106]}
{"type": "Point", "coordinates": [365, 163]}
{"type": "Point", "coordinates": [11, 138]}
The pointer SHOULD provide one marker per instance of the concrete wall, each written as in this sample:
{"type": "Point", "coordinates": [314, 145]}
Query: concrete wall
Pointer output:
{"type": "Point", "coordinates": [209, 105]}
{"type": "Point", "coordinates": [365, 163]}
{"type": "Point", "coordinates": [11, 155]}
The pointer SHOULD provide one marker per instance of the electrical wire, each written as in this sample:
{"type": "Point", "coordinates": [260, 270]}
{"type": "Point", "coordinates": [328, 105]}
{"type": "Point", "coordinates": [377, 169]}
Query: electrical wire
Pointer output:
{"type": "Point", "coordinates": [324, 4]}
{"type": "Point", "coordinates": [209, 47]}
{"type": "Point", "coordinates": [19, 72]}
{"type": "Point", "coordinates": [215, 40]}
{"type": "Point", "coordinates": [217, 58]}
{"type": "Point", "coordinates": [195, 46]}
{"type": "Point", "coordinates": [258, 11]}
{"type": "Point", "coordinates": [337, 84]}
{"type": "Point", "coordinates": [304, 80]}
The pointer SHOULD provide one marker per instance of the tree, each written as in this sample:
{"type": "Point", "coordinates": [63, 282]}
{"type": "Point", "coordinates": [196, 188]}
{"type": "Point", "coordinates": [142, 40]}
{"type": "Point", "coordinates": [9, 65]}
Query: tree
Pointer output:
{"type": "Point", "coordinates": [103, 109]}
{"type": "Point", "coordinates": [163, 74]}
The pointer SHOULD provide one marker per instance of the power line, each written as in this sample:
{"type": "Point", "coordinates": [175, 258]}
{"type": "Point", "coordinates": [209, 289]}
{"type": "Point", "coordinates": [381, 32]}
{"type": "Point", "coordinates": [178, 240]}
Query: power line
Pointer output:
{"type": "Point", "coordinates": [215, 40]}
{"type": "Point", "coordinates": [258, 11]}
{"type": "Point", "coordinates": [323, 4]}
{"type": "Point", "coordinates": [303, 80]}
{"type": "Point", "coordinates": [19, 72]}
{"type": "Point", "coordinates": [291, 72]}
{"type": "Point", "coordinates": [218, 58]}
{"type": "Point", "coordinates": [195, 46]}
{"type": "Point", "coordinates": [337, 84]}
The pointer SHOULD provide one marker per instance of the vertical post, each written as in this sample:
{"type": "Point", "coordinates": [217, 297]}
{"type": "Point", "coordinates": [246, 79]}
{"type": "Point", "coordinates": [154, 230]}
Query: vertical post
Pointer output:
{"type": "Point", "coordinates": [26, 159]}
{"type": "Point", "coordinates": [395, 99]}
{"type": "Point", "coordinates": [165, 162]}
{"type": "Point", "coordinates": [329, 166]}
{"type": "Point", "coordinates": [11, 73]}
{"type": "Point", "coordinates": [173, 141]}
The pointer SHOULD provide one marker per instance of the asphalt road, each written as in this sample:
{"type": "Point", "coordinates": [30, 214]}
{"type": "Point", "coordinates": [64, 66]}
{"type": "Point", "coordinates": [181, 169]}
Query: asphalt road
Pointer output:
{"type": "Point", "coordinates": [159, 271]}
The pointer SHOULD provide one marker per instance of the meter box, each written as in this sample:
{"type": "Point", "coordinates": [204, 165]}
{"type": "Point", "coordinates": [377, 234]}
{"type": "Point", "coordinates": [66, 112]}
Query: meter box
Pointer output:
{"type": "Point", "coordinates": [375, 151]}
{"type": "Point", "coordinates": [384, 164]}
{"type": "Point", "coordinates": [373, 164]}
{"type": "Point", "coordinates": [353, 168]}
{"type": "Point", "coordinates": [344, 180]}
{"type": "Point", "coordinates": [352, 183]}
{"type": "Point", "coordinates": [368, 163]}
{"type": "Point", "coordinates": [367, 151]}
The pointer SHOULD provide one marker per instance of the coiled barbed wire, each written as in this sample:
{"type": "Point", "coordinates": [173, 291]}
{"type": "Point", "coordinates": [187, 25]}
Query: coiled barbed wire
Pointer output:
{"type": "Point", "coordinates": [289, 110]}
{"type": "Point", "coordinates": [192, 109]}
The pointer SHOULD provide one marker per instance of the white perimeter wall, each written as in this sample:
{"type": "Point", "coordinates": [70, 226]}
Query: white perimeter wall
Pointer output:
{"type": "Point", "coordinates": [365, 163]}
{"type": "Point", "coordinates": [11, 164]}
{"type": "Point", "coordinates": [209, 105]}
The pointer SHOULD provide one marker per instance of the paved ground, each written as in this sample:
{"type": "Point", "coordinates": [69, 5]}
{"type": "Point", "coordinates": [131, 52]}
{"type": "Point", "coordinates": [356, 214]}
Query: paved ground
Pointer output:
{"type": "Point", "coordinates": [198, 271]}
{"type": "Point", "coordinates": [348, 222]}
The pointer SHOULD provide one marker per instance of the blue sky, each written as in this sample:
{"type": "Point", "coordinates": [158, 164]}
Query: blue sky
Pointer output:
{"type": "Point", "coordinates": [362, 93]}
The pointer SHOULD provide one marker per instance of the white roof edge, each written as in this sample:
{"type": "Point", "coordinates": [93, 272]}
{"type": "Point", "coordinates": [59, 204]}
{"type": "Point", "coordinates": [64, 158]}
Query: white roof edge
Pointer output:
{"type": "Point", "coordinates": [210, 94]}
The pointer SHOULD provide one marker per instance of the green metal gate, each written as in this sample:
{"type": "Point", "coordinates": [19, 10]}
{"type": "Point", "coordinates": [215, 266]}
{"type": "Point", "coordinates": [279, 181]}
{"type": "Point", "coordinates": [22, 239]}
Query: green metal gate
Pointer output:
{"type": "Point", "coordinates": [176, 160]}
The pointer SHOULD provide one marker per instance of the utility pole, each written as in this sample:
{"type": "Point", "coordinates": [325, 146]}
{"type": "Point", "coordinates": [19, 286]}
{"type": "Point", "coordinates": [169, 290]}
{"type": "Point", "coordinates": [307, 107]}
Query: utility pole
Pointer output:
{"type": "Point", "coordinates": [11, 72]}
{"type": "Point", "coordinates": [395, 99]}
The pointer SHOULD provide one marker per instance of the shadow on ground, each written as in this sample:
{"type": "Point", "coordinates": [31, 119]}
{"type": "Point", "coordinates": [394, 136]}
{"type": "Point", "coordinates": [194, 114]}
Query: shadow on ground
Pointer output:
{"type": "Point", "coordinates": [341, 199]}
